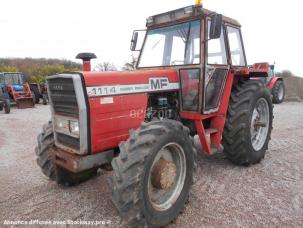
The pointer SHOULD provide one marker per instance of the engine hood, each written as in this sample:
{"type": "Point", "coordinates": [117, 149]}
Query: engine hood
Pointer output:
{"type": "Point", "coordinates": [114, 83]}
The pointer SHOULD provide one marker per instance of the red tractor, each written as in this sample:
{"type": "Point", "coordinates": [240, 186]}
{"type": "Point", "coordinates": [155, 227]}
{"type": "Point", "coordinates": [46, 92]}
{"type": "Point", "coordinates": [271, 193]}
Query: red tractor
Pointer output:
{"type": "Point", "coordinates": [274, 84]}
{"type": "Point", "coordinates": [18, 91]}
{"type": "Point", "coordinates": [192, 78]}
{"type": "Point", "coordinates": [39, 90]}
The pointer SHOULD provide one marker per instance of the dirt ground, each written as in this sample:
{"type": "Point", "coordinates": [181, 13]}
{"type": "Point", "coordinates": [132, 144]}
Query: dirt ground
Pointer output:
{"type": "Point", "coordinates": [269, 194]}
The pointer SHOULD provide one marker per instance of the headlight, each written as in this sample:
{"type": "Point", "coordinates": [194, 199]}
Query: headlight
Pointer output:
{"type": "Point", "coordinates": [67, 126]}
{"type": "Point", "coordinates": [74, 127]}
{"type": "Point", "coordinates": [61, 124]}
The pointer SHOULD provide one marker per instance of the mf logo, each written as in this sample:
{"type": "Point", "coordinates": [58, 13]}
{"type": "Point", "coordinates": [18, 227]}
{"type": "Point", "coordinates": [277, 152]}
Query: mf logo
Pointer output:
{"type": "Point", "coordinates": [158, 83]}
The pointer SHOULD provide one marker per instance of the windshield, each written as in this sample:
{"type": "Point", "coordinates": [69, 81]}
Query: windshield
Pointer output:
{"type": "Point", "coordinates": [173, 45]}
{"type": "Point", "coordinates": [11, 78]}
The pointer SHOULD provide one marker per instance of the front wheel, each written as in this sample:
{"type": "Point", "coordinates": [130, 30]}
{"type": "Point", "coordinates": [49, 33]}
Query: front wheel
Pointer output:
{"type": "Point", "coordinates": [278, 92]}
{"type": "Point", "coordinates": [45, 160]}
{"type": "Point", "coordinates": [153, 173]}
{"type": "Point", "coordinates": [249, 123]}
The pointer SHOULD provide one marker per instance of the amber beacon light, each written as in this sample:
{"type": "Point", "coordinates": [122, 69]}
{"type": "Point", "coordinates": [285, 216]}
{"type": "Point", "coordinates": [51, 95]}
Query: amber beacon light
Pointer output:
{"type": "Point", "coordinates": [198, 2]}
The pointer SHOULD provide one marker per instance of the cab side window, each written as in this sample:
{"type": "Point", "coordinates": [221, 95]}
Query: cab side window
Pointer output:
{"type": "Point", "coordinates": [235, 46]}
{"type": "Point", "coordinates": [216, 50]}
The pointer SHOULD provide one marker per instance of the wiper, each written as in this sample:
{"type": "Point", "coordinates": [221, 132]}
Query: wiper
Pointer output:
{"type": "Point", "coordinates": [156, 44]}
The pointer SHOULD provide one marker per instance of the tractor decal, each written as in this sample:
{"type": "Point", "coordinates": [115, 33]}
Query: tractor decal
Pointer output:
{"type": "Point", "coordinates": [155, 84]}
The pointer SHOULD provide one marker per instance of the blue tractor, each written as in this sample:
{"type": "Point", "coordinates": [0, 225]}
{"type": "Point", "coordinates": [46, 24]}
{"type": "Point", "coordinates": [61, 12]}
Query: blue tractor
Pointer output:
{"type": "Point", "coordinates": [16, 90]}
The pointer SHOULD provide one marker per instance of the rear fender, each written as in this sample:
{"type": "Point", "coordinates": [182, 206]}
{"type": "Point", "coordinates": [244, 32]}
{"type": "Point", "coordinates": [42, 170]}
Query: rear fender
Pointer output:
{"type": "Point", "coordinates": [273, 81]}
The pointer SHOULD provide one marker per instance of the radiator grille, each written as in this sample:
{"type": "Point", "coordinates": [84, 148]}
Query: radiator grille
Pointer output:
{"type": "Point", "coordinates": [64, 102]}
{"type": "Point", "coordinates": [63, 96]}
{"type": "Point", "coordinates": [68, 141]}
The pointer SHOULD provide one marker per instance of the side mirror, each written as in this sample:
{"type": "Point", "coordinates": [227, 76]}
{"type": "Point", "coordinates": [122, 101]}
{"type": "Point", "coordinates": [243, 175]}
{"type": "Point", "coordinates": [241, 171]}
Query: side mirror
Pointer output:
{"type": "Point", "coordinates": [134, 41]}
{"type": "Point", "coordinates": [137, 40]}
{"type": "Point", "coordinates": [215, 26]}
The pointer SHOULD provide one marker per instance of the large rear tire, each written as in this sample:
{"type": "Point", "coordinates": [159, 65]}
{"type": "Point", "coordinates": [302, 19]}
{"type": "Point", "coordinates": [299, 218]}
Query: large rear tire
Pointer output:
{"type": "Point", "coordinates": [7, 106]}
{"type": "Point", "coordinates": [153, 173]}
{"type": "Point", "coordinates": [249, 123]}
{"type": "Point", "coordinates": [36, 93]}
{"type": "Point", "coordinates": [44, 98]}
{"type": "Point", "coordinates": [278, 92]}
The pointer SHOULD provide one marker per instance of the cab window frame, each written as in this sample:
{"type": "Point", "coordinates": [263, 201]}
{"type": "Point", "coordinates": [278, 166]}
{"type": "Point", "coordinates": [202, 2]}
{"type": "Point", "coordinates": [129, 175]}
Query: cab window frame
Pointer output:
{"type": "Point", "coordinates": [207, 26]}
{"type": "Point", "coordinates": [227, 25]}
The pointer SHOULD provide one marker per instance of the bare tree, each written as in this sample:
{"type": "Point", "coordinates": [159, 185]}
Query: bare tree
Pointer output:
{"type": "Point", "coordinates": [130, 66]}
{"type": "Point", "coordinates": [105, 66]}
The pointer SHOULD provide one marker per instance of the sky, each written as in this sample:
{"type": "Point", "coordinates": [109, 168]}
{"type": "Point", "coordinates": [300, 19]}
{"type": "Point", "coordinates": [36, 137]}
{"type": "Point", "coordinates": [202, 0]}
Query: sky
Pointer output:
{"type": "Point", "coordinates": [62, 28]}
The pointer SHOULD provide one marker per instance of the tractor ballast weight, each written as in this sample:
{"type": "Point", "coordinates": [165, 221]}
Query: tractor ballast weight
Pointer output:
{"type": "Point", "coordinates": [192, 78]}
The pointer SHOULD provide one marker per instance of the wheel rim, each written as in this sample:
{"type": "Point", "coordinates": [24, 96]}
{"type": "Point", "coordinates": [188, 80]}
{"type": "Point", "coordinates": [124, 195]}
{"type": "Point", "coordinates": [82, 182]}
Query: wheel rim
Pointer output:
{"type": "Point", "coordinates": [259, 124]}
{"type": "Point", "coordinates": [280, 92]}
{"type": "Point", "coordinates": [167, 176]}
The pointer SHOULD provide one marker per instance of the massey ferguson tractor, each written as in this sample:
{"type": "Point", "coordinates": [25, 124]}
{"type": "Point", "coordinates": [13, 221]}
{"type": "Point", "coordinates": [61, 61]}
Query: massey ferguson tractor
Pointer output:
{"type": "Point", "coordinates": [192, 78]}
{"type": "Point", "coordinates": [274, 84]}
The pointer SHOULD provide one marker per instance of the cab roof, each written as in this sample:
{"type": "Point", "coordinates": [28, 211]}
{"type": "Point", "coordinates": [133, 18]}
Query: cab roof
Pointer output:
{"type": "Point", "coordinates": [184, 14]}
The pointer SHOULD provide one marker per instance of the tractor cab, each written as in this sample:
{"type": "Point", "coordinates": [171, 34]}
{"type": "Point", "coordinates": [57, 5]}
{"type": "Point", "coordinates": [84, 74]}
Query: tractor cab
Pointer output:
{"type": "Point", "coordinates": [201, 45]}
{"type": "Point", "coordinates": [14, 79]}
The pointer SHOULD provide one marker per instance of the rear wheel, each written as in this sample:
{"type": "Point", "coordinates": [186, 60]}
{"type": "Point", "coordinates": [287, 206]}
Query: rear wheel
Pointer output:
{"type": "Point", "coordinates": [249, 123]}
{"type": "Point", "coordinates": [7, 106]}
{"type": "Point", "coordinates": [44, 98]}
{"type": "Point", "coordinates": [153, 173]}
{"type": "Point", "coordinates": [36, 93]}
{"type": "Point", "coordinates": [278, 92]}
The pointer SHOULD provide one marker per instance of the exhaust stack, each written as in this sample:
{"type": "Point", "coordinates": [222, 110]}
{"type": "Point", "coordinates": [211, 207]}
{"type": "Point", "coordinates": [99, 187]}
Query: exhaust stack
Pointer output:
{"type": "Point", "coordinates": [86, 57]}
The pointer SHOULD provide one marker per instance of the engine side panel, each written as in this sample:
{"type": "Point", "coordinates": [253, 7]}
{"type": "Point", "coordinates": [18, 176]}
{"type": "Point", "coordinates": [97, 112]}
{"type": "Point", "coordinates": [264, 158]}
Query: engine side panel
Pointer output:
{"type": "Point", "coordinates": [118, 102]}
{"type": "Point", "coordinates": [112, 117]}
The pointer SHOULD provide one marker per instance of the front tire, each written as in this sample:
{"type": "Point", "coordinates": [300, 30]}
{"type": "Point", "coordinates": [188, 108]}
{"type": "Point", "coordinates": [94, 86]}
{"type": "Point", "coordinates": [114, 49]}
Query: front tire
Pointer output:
{"type": "Point", "coordinates": [46, 162]}
{"type": "Point", "coordinates": [43, 151]}
{"type": "Point", "coordinates": [249, 123]}
{"type": "Point", "coordinates": [278, 92]}
{"type": "Point", "coordinates": [153, 173]}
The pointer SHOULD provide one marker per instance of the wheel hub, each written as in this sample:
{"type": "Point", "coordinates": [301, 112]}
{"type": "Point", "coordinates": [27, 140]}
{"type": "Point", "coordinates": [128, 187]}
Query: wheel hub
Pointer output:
{"type": "Point", "coordinates": [167, 176]}
{"type": "Point", "coordinates": [163, 174]}
{"type": "Point", "coordinates": [260, 124]}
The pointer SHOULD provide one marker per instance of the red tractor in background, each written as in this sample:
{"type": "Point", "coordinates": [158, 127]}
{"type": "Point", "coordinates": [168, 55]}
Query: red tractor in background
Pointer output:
{"type": "Point", "coordinates": [192, 78]}
{"type": "Point", "coordinates": [274, 84]}
{"type": "Point", "coordinates": [18, 91]}
{"type": "Point", "coordinates": [39, 90]}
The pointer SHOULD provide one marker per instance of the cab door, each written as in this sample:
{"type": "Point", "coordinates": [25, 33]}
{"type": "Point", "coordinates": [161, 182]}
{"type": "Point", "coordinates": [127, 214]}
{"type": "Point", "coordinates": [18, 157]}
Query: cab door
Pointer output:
{"type": "Point", "coordinates": [216, 71]}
